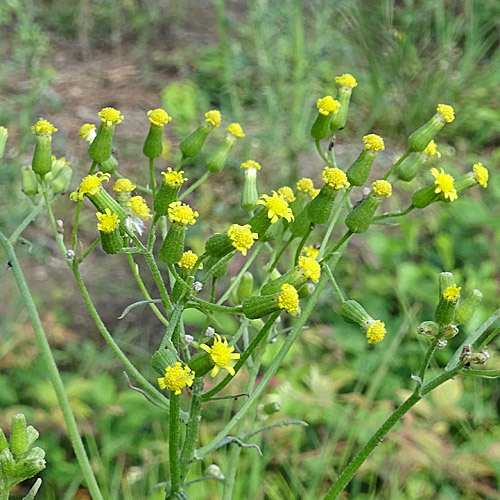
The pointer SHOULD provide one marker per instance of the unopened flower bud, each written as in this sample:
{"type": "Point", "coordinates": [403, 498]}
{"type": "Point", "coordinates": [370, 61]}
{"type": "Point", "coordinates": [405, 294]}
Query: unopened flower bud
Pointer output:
{"type": "Point", "coordinates": [100, 148]}
{"type": "Point", "coordinates": [467, 308]}
{"type": "Point", "coordinates": [346, 82]}
{"type": "Point", "coordinates": [272, 407]}
{"type": "Point", "coordinates": [168, 191]}
{"type": "Point", "coordinates": [250, 195]}
{"type": "Point", "coordinates": [60, 183]}
{"type": "Point", "coordinates": [419, 140]}
{"type": "Point", "coordinates": [193, 143]}
{"type": "Point", "coordinates": [29, 181]}
{"type": "Point", "coordinates": [445, 310]}
{"type": "Point", "coordinates": [428, 328]}
{"type": "Point", "coordinates": [18, 435]}
{"type": "Point", "coordinates": [258, 306]}
{"type": "Point", "coordinates": [153, 145]}
{"type": "Point", "coordinates": [215, 472]}
{"type": "Point", "coordinates": [327, 108]}
{"type": "Point", "coordinates": [245, 288]}
{"type": "Point", "coordinates": [358, 172]}
{"type": "Point", "coordinates": [3, 139]}
{"type": "Point", "coordinates": [111, 237]}
{"type": "Point", "coordinates": [217, 161]}
{"type": "Point", "coordinates": [163, 358]}
{"type": "Point", "coordinates": [42, 157]}
{"type": "Point", "coordinates": [354, 312]}
{"type": "Point", "coordinates": [109, 166]}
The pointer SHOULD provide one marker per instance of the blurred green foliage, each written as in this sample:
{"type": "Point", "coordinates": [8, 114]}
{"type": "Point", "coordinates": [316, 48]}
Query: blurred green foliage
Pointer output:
{"type": "Point", "coordinates": [268, 64]}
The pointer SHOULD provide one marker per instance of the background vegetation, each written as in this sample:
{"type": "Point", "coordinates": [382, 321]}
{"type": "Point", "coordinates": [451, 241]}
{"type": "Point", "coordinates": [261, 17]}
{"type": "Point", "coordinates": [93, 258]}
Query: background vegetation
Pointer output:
{"type": "Point", "coordinates": [263, 64]}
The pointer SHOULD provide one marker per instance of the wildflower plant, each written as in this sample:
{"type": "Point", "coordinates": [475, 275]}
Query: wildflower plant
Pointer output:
{"type": "Point", "coordinates": [192, 367]}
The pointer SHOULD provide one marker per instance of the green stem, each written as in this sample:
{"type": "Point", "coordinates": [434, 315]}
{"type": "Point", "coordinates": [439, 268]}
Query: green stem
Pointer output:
{"type": "Point", "coordinates": [246, 354]}
{"type": "Point", "coordinates": [135, 271]}
{"type": "Point", "coordinates": [152, 176]}
{"type": "Point", "coordinates": [216, 267]}
{"type": "Point", "coordinates": [399, 213]}
{"type": "Point", "coordinates": [322, 153]}
{"type": "Point", "coordinates": [481, 373]}
{"type": "Point", "coordinates": [24, 224]}
{"type": "Point", "coordinates": [301, 245]}
{"type": "Point", "coordinates": [193, 186]}
{"type": "Point", "coordinates": [152, 235]}
{"type": "Point", "coordinates": [192, 429]}
{"type": "Point", "coordinates": [174, 320]}
{"type": "Point", "coordinates": [156, 396]}
{"type": "Point", "coordinates": [396, 165]}
{"type": "Point", "coordinates": [4, 495]}
{"type": "Point", "coordinates": [76, 220]}
{"type": "Point", "coordinates": [330, 253]}
{"type": "Point", "coordinates": [90, 249]}
{"type": "Point", "coordinates": [380, 433]}
{"type": "Point", "coordinates": [153, 267]}
{"type": "Point", "coordinates": [58, 235]}
{"type": "Point", "coordinates": [203, 304]}
{"type": "Point", "coordinates": [139, 188]}
{"type": "Point", "coordinates": [173, 446]}
{"type": "Point", "coordinates": [329, 273]}
{"type": "Point", "coordinates": [53, 372]}
{"type": "Point", "coordinates": [279, 254]}
{"type": "Point", "coordinates": [427, 357]}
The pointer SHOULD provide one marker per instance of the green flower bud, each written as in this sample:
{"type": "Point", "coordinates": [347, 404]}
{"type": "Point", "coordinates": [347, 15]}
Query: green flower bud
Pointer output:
{"type": "Point", "coordinates": [201, 364]}
{"type": "Point", "coordinates": [193, 143]}
{"type": "Point", "coordinates": [301, 224]}
{"type": "Point", "coordinates": [250, 194]}
{"type": "Point", "coordinates": [18, 435]}
{"type": "Point", "coordinates": [27, 468]}
{"type": "Point", "coordinates": [3, 139]}
{"type": "Point", "coordinates": [219, 245]}
{"type": "Point", "coordinates": [33, 435]}
{"type": "Point", "coordinates": [306, 291]}
{"type": "Point", "coordinates": [215, 472]}
{"type": "Point", "coordinates": [260, 223]}
{"type": "Point", "coordinates": [259, 306]}
{"type": "Point", "coordinates": [163, 358]}
{"type": "Point", "coordinates": [428, 328]}
{"type": "Point", "coordinates": [112, 242]}
{"type": "Point", "coordinates": [409, 168]}
{"type": "Point", "coordinates": [272, 407]}
{"type": "Point", "coordinates": [445, 310]}
{"type": "Point", "coordinates": [153, 145]}
{"type": "Point", "coordinates": [445, 280]}
{"type": "Point", "coordinates": [419, 140]}
{"type": "Point", "coordinates": [449, 331]}
{"type": "Point", "coordinates": [168, 191]}
{"type": "Point", "coordinates": [60, 183]}
{"type": "Point", "coordinates": [327, 107]}
{"type": "Point", "coordinates": [172, 247]}
{"type": "Point", "coordinates": [7, 465]}
{"type": "Point", "coordinates": [42, 157]}
{"type": "Point", "coordinates": [358, 172]}
{"type": "Point", "coordinates": [359, 220]}
{"type": "Point", "coordinates": [467, 308]}
{"type": "Point", "coordinates": [100, 149]}
{"type": "Point", "coordinates": [29, 181]}
{"type": "Point", "coordinates": [319, 209]}
{"type": "Point", "coordinates": [347, 82]}
{"type": "Point", "coordinates": [109, 166]}
{"type": "Point", "coordinates": [3, 441]}
{"type": "Point", "coordinates": [245, 288]}
{"type": "Point", "coordinates": [217, 161]}
{"type": "Point", "coordinates": [424, 197]}
{"type": "Point", "coordinates": [353, 312]}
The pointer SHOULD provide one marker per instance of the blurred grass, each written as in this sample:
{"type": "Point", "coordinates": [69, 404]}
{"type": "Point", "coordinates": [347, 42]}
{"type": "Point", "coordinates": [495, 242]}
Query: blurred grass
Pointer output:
{"type": "Point", "coordinates": [264, 64]}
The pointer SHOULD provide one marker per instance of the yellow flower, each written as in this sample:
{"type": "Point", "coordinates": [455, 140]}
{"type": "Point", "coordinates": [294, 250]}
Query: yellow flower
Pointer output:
{"type": "Point", "coordinates": [286, 193]}
{"type": "Point", "coordinates": [139, 207]}
{"type": "Point", "coordinates": [213, 117]}
{"type": "Point", "coordinates": [221, 355]}
{"type": "Point", "coordinates": [327, 105]}
{"type": "Point", "coordinates": [158, 117]}
{"type": "Point", "coordinates": [452, 293]}
{"type": "Point", "coordinates": [242, 237]}
{"type": "Point", "coordinates": [335, 178]}
{"type": "Point", "coordinates": [431, 150]}
{"type": "Point", "coordinates": [376, 331]}
{"type": "Point", "coordinates": [108, 222]}
{"type": "Point", "coordinates": [124, 186]}
{"type": "Point", "coordinates": [86, 130]}
{"type": "Point", "coordinates": [250, 164]}
{"type": "Point", "coordinates": [447, 112]}
{"type": "Point", "coordinates": [311, 251]}
{"type": "Point", "coordinates": [347, 80]}
{"type": "Point", "coordinates": [43, 127]}
{"type": "Point", "coordinates": [235, 130]}
{"type": "Point", "coordinates": [276, 207]}
{"type": "Point", "coordinates": [181, 213]}
{"type": "Point", "coordinates": [188, 260]}
{"type": "Point", "coordinates": [382, 188]}
{"type": "Point", "coordinates": [373, 142]}
{"type": "Point", "coordinates": [445, 184]}
{"type": "Point", "coordinates": [305, 185]}
{"type": "Point", "coordinates": [481, 174]}
{"type": "Point", "coordinates": [310, 267]}
{"type": "Point", "coordinates": [110, 116]}
{"type": "Point", "coordinates": [288, 298]}
{"type": "Point", "coordinates": [173, 178]}
{"type": "Point", "coordinates": [314, 193]}
{"type": "Point", "coordinates": [89, 185]}
{"type": "Point", "coordinates": [176, 377]}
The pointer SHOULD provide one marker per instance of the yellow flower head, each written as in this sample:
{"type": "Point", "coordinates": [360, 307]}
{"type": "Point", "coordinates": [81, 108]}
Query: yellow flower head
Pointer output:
{"type": "Point", "coordinates": [86, 130]}
{"type": "Point", "coordinates": [181, 213]}
{"type": "Point", "coordinates": [327, 105]}
{"type": "Point", "coordinates": [452, 293]}
{"type": "Point", "coordinates": [382, 188]}
{"type": "Point", "coordinates": [305, 185]}
{"type": "Point", "coordinates": [43, 127]}
{"type": "Point", "coordinates": [315, 193]}
{"type": "Point", "coordinates": [335, 178]}
{"type": "Point", "coordinates": [276, 207]}
{"type": "Point", "coordinates": [288, 298]}
{"type": "Point", "coordinates": [311, 251]}
{"type": "Point", "coordinates": [235, 130]}
{"type": "Point", "coordinates": [188, 260]}
{"type": "Point", "coordinates": [373, 142]}
{"type": "Point", "coordinates": [89, 185]}
{"type": "Point", "coordinates": [376, 331]}
{"type": "Point", "coordinates": [176, 377]}
{"type": "Point", "coordinates": [110, 116]}
{"type": "Point", "coordinates": [242, 237]}
{"type": "Point", "coordinates": [139, 207]}
{"type": "Point", "coordinates": [124, 186]}
{"type": "Point", "coordinates": [108, 221]}
{"type": "Point", "coordinates": [173, 178]}
{"type": "Point", "coordinates": [159, 117]}
{"type": "Point", "coordinates": [447, 112]}
{"type": "Point", "coordinates": [221, 355]}
{"type": "Point", "coordinates": [286, 193]}
{"type": "Point", "coordinates": [481, 174]}
{"type": "Point", "coordinates": [445, 184]}
{"type": "Point", "coordinates": [431, 150]}
{"type": "Point", "coordinates": [250, 164]}
{"type": "Point", "coordinates": [310, 267]}
{"type": "Point", "coordinates": [213, 117]}
{"type": "Point", "coordinates": [347, 80]}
